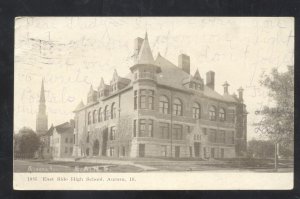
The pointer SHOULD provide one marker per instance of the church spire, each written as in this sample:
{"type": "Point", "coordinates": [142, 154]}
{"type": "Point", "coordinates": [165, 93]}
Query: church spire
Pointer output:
{"type": "Point", "coordinates": [42, 94]}
{"type": "Point", "coordinates": [42, 118]}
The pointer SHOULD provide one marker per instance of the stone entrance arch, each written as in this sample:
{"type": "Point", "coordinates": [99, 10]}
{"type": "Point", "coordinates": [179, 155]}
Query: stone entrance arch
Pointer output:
{"type": "Point", "coordinates": [96, 147]}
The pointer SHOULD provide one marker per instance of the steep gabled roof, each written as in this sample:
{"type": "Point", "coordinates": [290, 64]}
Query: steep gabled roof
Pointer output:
{"type": "Point", "coordinates": [64, 128]}
{"type": "Point", "coordinates": [174, 76]}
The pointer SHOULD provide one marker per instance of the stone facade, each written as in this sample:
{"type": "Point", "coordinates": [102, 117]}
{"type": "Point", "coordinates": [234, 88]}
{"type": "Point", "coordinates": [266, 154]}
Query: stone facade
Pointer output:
{"type": "Point", "coordinates": [160, 110]}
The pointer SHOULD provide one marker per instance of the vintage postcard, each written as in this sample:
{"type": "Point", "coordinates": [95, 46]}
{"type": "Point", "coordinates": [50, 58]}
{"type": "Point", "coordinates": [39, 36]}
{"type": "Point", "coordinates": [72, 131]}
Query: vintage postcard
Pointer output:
{"type": "Point", "coordinates": [153, 103]}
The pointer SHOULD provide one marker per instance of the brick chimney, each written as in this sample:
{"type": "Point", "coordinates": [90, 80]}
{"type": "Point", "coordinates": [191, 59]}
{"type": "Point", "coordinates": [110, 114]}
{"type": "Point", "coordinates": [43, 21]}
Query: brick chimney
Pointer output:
{"type": "Point", "coordinates": [210, 79]}
{"type": "Point", "coordinates": [241, 90]}
{"type": "Point", "coordinates": [137, 45]}
{"type": "Point", "coordinates": [226, 85]}
{"type": "Point", "coordinates": [184, 63]}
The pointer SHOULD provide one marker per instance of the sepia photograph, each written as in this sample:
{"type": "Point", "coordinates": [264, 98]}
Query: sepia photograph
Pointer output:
{"type": "Point", "coordinates": [108, 103]}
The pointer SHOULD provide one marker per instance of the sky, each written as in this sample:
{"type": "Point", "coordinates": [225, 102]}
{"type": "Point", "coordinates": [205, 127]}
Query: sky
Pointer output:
{"type": "Point", "coordinates": [72, 53]}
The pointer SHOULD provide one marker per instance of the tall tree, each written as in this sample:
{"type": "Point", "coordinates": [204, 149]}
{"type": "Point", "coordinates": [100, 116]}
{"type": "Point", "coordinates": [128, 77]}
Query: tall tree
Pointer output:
{"type": "Point", "coordinates": [26, 143]}
{"type": "Point", "coordinates": [278, 120]}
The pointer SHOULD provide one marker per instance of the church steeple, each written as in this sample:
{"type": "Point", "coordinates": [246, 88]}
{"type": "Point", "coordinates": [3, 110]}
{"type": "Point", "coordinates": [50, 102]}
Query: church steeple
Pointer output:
{"type": "Point", "coordinates": [42, 94]}
{"type": "Point", "coordinates": [42, 118]}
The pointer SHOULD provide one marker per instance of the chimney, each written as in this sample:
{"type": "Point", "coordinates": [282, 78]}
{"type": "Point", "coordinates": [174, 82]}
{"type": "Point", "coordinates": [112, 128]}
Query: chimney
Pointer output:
{"type": "Point", "coordinates": [72, 123]}
{"type": "Point", "coordinates": [226, 85]}
{"type": "Point", "coordinates": [137, 45]}
{"type": "Point", "coordinates": [210, 79]}
{"type": "Point", "coordinates": [184, 63]}
{"type": "Point", "coordinates": [241, 90]}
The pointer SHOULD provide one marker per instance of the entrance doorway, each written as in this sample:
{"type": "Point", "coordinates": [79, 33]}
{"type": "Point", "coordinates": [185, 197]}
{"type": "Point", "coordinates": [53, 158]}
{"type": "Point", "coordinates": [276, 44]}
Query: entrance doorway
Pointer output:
{"type": "Point", "coordinates": [177, 151]}
{"type": "Point", "coordinates": [222, 153]}
{"type": "Point", "coordinates": [87, 152]}
{"type": "Point", "coordinates": [96, 148]}
{"type": "Point", "coordinates": [197, 149]}
{"type": "Point", "coordinates": [142, 150]}
{"type": "Point", "coordinates": [104, 141]}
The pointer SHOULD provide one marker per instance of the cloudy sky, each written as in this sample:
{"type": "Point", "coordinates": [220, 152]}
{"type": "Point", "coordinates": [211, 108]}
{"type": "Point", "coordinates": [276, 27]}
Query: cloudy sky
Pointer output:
{"type": "Point", "coordinates": [74, 52]}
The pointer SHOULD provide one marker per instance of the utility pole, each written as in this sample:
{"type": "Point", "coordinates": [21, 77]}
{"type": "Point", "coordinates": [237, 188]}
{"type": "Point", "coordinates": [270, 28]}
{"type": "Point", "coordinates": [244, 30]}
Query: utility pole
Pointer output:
{"type": "Point", "coordinates": [276, 156]}
{"type": "Point", "coordinates": [171, 108]}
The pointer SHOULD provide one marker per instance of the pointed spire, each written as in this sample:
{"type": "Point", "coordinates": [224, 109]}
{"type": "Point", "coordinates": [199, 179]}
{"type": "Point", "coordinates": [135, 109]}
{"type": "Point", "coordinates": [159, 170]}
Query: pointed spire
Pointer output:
{"type": "Point", "coordinates": [42, 94]}
{"type": "Point", "coordinates": [197, 75]}
{"type": "Point", "coordinates": [145, 55]}
{"type": "Point", "coordinates": [226, 85]}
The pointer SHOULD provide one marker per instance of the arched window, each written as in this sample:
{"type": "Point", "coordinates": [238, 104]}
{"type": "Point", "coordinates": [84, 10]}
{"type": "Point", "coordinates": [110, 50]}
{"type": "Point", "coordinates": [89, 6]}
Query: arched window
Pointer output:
{"type": "Point", "coordinates": [177, 107]}
{"type": "Point", "coordinates": [113, 111]}
{"type": "Point", "coordinates": [100, 115]}
{"type": "Point", "coordinates": [196, 111]}
{"type": "Point", "coordinates": [106, 113]}
{"type": "Point", "coordinates": [163, 105]}
{"type": "Point", "coordinates": [222, 114]}
{"type": "Point", "coordinates": [89, 118]}
{"type": "Point", "coordinates": [94, 116]}
{"type": "Point", "coordinates": [212, 113]}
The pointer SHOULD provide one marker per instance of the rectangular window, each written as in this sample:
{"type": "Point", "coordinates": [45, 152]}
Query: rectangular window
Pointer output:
{"type": "Point", "coordinates": [204, 131]}
{"type": "Point", "coordinates": [111, 151]}
{"type": "Point", "coordinates": [134, 128]}
{"type": "Point", "coordinates": [142, 128]}
{"type": "Point", "coordinates": [212, 135]}
{"type": "Point", "coordinates": [177, 132]}
{"type": "Point", "coordinates": [150, 128]}
{"type": "Point", "coordinates": [71, 140]}
{"type": "Point", "coordinates": [66, 140]}
{"type": "Point", "coordinates": [230, 137]}
{"type": "Point", "coordinates": [164, 130]}
{"type": "Point", "coordinates": [221, 137]}
{"type": "Point", "coordinates": [66, 150]}
{"type": "Point", "coordinates": [135, 100]}
{"type": "Point", "coordinates": [112, 133]}
{"type": "Point", "coordinates": [71, 150]}
{"type": "Point", "coordinates": [164, 151]}
{"type": "Point", "coordinates": [191, 151]}
{"type": "Point", "coordinates": [151, 99]}
{"type": "Point", "coordinates": [123, 151]}
{"type": "Point", "coordinates": [74, 139]}
{"type": "Point", "coordinates": [143, 97]}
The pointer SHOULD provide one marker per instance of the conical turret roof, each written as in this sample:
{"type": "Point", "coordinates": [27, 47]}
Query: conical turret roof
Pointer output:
{"type": "Point", "coordinates": [42, 94]}
{"type": "Point", "coordinates": [145, 55]}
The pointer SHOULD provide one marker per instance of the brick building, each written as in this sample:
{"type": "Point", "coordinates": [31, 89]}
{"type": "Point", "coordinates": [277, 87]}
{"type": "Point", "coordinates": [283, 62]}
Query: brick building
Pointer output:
{"type": "Point", "coordinates": [160, 110]}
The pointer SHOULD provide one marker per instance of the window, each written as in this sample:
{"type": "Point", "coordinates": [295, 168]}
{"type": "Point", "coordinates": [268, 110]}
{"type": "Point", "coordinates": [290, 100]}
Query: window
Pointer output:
{"type": "Point", "coordinates": [212, 135]}
{"type": "Point", "coordinates": [164, 150]}
{"type": "Point", "coordinates": [106, 113]}
{"type": "Point", "coordinates": [134, 128]}
{"type": "Point", "coordinates": [151, 99]}
{"type": "Point", "coordinates": [113, 111]}
{"type": "Point", "coordinates": [89, 118]}
{"type": "Point", "coordinates": [164, 130]}
{"type": "Point", "coordinates": [123, 151]}
{"type": "Point", "coordinates": [66, 140]}
{"type": "Point", "coordinates": [88, 137]}
{"type": "Point", "coordinates": [143, 97]}
{"type": "Point", "coordinates": [74, 139]}
{"type": "Point", "coordinates": [163, 105]}
{"type": "Point", "coordinates": [135, 100]}
{"type": "Point", "coordinates": [112, 133]}
{"type": "Point", "coordinates": [204, 131]}
{"type": "Point", "coordinates": [66, 149]}
{"type": "Point", "coordinates": [231, 115]}
{"type": "Point", "coordinates": [142, 129]}
{"type": "Point", "coordinates": [230, 137]}
{"type": "Point", "coordinates": [94, 116]}
{"type": "Point", "coordinates": [196, 111]}
{"type": "Point", "coordinates": [100, 115]}
{"type": "Point", "coordinates": [221, 137]}
{"type": "Point", "coordinates": [71, 150]}
{"type": "Point", "coordinates": [191, 151]}
{"type": "Point", "coordinates": [111, 151]}
{"type": "Point", "coordinates": [222, 114]}
{"type": "Point", "coordinates": [177, 107]}
{"type": "Point", "coordinates": [177, 132]}
{"type": "Point", "coordinates": [212, 113]}
{"type": "Point", "coordinates": [150, 128]}
{"type": "Point", "coordinates": [71, 140]}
